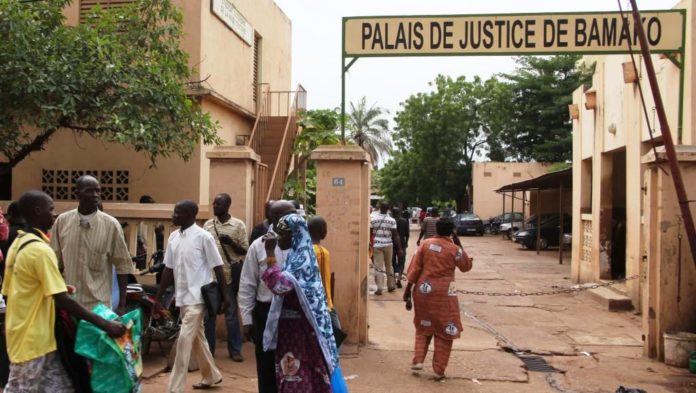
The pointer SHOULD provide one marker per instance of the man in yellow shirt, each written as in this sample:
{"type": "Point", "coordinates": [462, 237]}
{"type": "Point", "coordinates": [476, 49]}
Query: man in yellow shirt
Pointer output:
{"type": "Point", "coordinates": [317, 231]}
{"type": "Point", "coordinates": [33, 287]}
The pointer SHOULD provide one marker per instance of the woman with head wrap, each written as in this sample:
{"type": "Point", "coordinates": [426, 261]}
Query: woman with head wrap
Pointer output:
{"type": "Point", "coordinates": [299, 324]}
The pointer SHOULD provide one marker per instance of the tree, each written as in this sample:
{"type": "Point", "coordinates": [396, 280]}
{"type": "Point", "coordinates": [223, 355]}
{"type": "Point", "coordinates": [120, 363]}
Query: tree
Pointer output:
{"type": "Point", "coordinates": [542, 88]}
{"type": "Point", "coordinates": [118, 76]}
{"type": "Point", "coordinates": [439, 134]}
{"type": "Point", "coordinates": [369, 130]}
{"type": "Point", "coordinates": [317, 127]}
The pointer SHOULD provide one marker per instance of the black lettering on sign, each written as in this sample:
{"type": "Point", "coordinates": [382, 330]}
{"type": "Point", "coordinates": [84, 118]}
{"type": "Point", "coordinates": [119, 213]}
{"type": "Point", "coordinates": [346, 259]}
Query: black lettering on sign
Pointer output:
{"type": "Point", "coordinates": [366, 33]}
{"type": "Point", "coordinates": [594, 33]}
{"type": "Point", "coordinates": [549, 33]}
{"type": "Point", "coordinates": [418, 33]}
{"type": "Point", "coordinates": [609, 32]}
{"type": "Point", "coordinates": [447, 29]}
{"type": "Point", "coordinates": [515, 42]}
{"type": "Point", "coordinates": [386, 37]}
{"type": "Point", "coordinates": [435, 32]}
{"type": "Point", "coordinates": [580, 35]}
{"type": "Point", "coordinates": [488, 33]}
{"type": "Point", "coordinates": [529, 33]}
{"type": "Point", "coordinates": [654, 31]}
{"type": "Point", "coordinates": [377, 37]}
{"type": "Point", "coordinates": [625, 34]}
{"type": "Point", "coordinates": [562, 33]}
{"type": "Point", "coordinates": [500, 24]}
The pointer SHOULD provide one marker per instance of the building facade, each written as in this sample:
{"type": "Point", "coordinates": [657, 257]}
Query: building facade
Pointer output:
{"type": "Point", "coordinates": [241, 50]}
{"type": "Point", "coordinates": [621, 225]}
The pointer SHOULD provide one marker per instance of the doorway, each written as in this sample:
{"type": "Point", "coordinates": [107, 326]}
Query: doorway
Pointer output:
{"type": "Point", "coordinates": [618, 219]}
{"type": "Point", "coordinates": [6, 186]}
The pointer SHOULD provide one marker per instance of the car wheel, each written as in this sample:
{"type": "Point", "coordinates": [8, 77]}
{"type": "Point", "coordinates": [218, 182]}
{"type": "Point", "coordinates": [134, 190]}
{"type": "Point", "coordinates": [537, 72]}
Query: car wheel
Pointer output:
{"type": "Point", "coordinates": [543, 244]}
{"type": "Point", "coordinates": [481, 233]}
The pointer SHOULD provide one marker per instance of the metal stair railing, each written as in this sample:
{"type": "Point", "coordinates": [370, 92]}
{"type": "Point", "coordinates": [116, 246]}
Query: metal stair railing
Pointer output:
{"type": "Point", "coordinates": [261, 123]}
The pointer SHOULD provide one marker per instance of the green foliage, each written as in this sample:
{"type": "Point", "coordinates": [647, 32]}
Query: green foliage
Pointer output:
{"type": "Point", "coordinates": [369, 130]}
{"type": "Point", "coordinates": [539, 125]}
{"type": "Point", "coordinates": [317, 127]}
{"type": "Point", "coordinates": [439, 134]}
{"type": "Point", "coordinates": [119, 78]}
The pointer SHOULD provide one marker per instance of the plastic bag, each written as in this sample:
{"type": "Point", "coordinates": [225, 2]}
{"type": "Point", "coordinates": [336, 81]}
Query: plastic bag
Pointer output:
{"type": "Point", "coordinates": [116, 363]}
{"type": "Point", "coordinates": [338, 383]}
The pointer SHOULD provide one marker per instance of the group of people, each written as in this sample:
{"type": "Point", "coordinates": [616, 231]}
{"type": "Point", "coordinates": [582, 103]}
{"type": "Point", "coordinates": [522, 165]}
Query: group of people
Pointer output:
{"type": "Point", "coordinates": [430, 287]}
{"type": "Point", "coordinates": [278, 282]}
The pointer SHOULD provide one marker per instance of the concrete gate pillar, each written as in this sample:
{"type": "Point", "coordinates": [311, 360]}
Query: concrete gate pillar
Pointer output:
{"type": "Point", "coordinates": [232, 171]}
{"type": "Point", "coordinates": [669, 275]}
{"type": "Point", "coordinates": [343, 199]}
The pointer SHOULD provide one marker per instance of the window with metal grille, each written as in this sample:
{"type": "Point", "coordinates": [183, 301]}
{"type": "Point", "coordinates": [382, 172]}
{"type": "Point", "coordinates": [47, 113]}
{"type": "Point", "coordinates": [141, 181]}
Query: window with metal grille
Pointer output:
{"type": "Point", "coordinates": [60, 183]}
{"type": "Point", "coordinates": [87, 5]}
{"type": "Point", "coordinates": [255, 71]}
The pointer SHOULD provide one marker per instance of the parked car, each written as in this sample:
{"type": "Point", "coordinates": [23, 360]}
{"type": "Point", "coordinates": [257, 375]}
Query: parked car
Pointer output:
{"type": "Point", "coordinates": [509, 229]}
{"type": "Point", "coordinates": [468, 223]}
{"type": "Point", "coordinates": [494, 223]}
{"type": "Point", "coordinates": [549, 232]}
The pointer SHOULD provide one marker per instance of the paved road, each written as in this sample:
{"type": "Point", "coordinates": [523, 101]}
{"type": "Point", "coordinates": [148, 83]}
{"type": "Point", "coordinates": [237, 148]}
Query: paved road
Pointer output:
{"type": "Point", "coordinates": [558, 327]}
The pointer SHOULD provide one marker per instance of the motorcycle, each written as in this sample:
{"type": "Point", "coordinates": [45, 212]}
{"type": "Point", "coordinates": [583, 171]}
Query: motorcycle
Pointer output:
{"type": "Point", "coordinates": [160, 324]}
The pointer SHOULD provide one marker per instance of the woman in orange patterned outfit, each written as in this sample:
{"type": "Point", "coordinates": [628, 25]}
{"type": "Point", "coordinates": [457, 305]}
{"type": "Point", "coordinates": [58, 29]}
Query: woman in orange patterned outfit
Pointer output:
{"type": "Point", "coordinates": [431, 271]}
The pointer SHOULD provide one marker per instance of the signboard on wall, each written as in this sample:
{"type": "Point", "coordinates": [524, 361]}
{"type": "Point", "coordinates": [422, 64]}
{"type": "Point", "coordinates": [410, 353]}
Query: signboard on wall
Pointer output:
{"type": "Point", "coordinates": [522, 34]}
{"type": "Point", "coordinates": [228, 14]}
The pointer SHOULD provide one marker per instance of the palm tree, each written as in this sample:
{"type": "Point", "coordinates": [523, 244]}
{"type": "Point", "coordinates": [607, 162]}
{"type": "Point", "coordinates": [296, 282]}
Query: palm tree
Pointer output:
{"type": "Point", "coordinates": [369, 130]}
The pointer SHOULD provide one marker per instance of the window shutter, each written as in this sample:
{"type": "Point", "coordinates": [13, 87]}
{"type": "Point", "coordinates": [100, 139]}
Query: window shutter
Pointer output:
{"type": "Point", "coordinates": [87, 5]}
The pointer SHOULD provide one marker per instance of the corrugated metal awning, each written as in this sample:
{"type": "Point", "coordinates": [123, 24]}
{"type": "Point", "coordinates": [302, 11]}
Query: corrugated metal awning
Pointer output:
{"type": "Point", "coordinates": [544, 182]}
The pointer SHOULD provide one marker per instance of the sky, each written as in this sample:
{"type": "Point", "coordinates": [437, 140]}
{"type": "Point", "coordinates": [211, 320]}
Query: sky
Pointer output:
{"type": "Point", "coordinates": [316, 46]}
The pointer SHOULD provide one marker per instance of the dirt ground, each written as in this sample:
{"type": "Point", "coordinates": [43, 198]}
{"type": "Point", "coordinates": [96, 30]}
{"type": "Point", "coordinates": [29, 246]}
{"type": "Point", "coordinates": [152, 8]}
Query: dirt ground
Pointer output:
{"type": "Point", "coordinates": [593, 350]}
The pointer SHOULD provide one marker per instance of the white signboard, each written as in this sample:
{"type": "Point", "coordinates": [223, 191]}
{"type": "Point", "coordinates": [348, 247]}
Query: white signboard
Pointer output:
{"type": "Point", "coordinates": [228, 13]}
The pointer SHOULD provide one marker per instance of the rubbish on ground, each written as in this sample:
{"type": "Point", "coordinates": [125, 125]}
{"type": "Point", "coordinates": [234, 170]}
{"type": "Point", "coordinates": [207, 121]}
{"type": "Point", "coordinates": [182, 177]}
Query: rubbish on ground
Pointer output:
{"type": "Point", "coordinates": [476, 381]}
{"type": "Point", "coordinates": [622, 389]}
{"type": "Point", "coordinates": [352, 376]}
{"type": "Point", "coordinates": [586, 353]}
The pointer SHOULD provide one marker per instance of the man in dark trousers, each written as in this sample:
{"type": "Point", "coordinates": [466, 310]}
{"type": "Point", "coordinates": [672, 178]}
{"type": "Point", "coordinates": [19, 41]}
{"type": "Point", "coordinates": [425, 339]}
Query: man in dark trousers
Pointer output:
{"type": "Point", "coordinates": [403, 230]}
{"type": "Point", "coordinates": [231, 239]}
{"type": "Point", "coordinates": [255, 297]}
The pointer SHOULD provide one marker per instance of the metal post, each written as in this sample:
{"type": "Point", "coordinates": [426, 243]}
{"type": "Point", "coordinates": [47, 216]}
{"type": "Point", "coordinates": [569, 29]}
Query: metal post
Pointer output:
{"type": "Point", "coordinates": [502, 218]}
{"type": "Point", "coordinates": [343, 96]}
{"type": "Point", "coordinates": [560, 221]}
{"type": "Point", "coordinates": [538, 217]}
{"type": "Point", "coordinates": [524, 204]}
{"type": "Point", "coordinates": [512, 215]}
{"type": "Point", "coordinates": [666, 133]}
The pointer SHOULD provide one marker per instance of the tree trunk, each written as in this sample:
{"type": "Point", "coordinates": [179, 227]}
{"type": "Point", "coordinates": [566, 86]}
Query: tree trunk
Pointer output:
{"type": "Point", "coordinates": [35, 145]}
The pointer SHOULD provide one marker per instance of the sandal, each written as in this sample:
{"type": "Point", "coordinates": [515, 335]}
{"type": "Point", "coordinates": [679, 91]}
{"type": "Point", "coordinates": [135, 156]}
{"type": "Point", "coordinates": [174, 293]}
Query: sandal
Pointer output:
{"type": "Point", "coordinates": [205, 386]}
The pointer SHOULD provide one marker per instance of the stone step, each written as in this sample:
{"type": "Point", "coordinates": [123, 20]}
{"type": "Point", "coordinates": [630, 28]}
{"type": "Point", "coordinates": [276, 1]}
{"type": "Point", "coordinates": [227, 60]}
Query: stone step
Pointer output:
{"type": "Point", "coordinates": [611, 299]}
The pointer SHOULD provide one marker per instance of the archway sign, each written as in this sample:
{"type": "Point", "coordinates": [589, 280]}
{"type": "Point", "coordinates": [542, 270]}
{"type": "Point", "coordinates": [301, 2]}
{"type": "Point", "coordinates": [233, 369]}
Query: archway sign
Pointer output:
{"type": "Point", "coordinates": [510, 34]}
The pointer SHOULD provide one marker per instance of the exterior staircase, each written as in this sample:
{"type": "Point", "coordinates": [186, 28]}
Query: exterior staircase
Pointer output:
{"type": "Point", "coordinates": [273, 139]}
{"type": "Point", "coordinates": [613, 297]}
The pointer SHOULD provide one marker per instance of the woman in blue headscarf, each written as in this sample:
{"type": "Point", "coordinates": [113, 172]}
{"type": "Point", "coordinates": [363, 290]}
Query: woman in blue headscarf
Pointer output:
{"type": "Point", "coordinates": [299, 324]}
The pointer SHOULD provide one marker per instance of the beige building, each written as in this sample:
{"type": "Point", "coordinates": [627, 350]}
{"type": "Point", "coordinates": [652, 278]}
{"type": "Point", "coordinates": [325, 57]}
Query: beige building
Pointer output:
{"type": "Point", "coordinates": [625, 221]}
{"type": "Point", "coordinates": [487, 177]}
{"type": "Point", "coordinates": [242, 49]}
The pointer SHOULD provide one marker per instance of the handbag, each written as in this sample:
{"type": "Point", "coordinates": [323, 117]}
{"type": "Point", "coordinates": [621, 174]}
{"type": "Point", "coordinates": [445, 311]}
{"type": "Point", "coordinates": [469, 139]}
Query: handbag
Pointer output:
{"type": "Point", "coordinates": [235, 268]}
{"type": "Point", "coordinates": [212, 297]}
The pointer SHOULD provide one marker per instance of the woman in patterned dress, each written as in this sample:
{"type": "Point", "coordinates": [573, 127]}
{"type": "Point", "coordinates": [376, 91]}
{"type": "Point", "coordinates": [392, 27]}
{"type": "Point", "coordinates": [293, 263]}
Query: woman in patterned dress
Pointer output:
{"type": "Point", "coordinates": [299, 323]}
{"type": "Point", "coordinates": [435, 300]}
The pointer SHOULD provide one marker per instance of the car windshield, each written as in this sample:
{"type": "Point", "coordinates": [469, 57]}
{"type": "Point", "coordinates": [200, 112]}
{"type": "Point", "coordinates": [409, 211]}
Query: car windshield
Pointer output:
{"type": "Point", "coordinates": [468, 217]}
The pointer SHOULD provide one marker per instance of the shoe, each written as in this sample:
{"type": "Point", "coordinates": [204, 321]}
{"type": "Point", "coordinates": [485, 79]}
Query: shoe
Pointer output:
{"type": "Point", "coordinates": [205, 386]}
{"type": "Point", "coordinates": [440, 378]}
{"type": "Point", "coordinates": [398, 284]}
{"type": "Point", "coordinates": [378, 292]}
{"type": "Point", "coordinates": [417, 366]}
{"type": "Point", "coordinates": [390, 290]}
{"type": "Point", "coordinates": [237, 357]}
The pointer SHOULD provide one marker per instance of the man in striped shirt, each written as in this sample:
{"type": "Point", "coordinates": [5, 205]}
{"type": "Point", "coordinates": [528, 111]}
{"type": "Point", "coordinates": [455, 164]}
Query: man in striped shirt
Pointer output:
{"type": "Point", "coordinates": [385, 240]}
{"type": "Point", "coordinates": [88, 243]}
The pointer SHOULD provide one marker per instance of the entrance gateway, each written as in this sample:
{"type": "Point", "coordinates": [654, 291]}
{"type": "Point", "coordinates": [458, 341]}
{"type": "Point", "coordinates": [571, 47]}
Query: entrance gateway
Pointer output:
{"type": "Point", "coordinates": [510, 34]}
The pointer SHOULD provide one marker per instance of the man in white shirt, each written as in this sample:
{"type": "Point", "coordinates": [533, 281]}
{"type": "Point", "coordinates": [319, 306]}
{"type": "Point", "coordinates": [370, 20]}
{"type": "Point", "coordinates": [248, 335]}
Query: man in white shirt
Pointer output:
{"type": "Point", "coordinates": [255, 298]}
{"type": "Point", "coordinates": [385, 240]}
{"type": "Point", "coordinates": [190, 257]}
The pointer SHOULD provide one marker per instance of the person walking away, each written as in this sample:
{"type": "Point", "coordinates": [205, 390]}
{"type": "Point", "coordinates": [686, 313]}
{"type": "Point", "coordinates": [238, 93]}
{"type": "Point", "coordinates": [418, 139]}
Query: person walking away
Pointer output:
{"type": "Point", "coordinates": [431, 272]}
{"type": "Point", "coordinates": [261, 228]}
{"type": "Point", "coordinates": [231, 239]}
{"type": "Point", "coordinates": [34, 287]}
{"type": "Point", "coordinates": [428, 226]}
{"type": "Point", "coordinates": [15, 222]}
{"type": "Point", "coordinates": [88, 243]}
{"type": "Point", "coordinates": [385, 242]}
{"type": "Point", "coordinates": [255, 297]}
{"type": "Point", "coordinates": [190, 258]}
{"type": "Point", "coordinates": [403, 230]}
{"type": "Point", "coordinates": [298, 327]}
{"type": "Point", "coordinates": [318, 230]}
